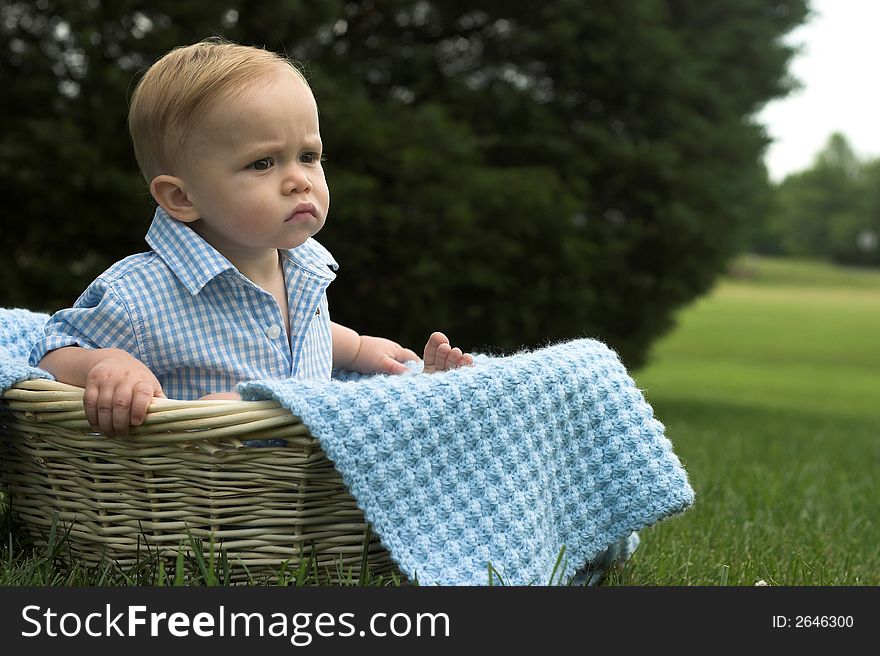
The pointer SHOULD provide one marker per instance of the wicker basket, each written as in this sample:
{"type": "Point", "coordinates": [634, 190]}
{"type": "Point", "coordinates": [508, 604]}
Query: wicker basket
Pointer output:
{"type": "Point", "coordinates": [185, 473]}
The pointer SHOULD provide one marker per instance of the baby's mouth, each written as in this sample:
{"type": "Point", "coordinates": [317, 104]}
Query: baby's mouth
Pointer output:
{"type": "Point", "coordinates": [303, 212]}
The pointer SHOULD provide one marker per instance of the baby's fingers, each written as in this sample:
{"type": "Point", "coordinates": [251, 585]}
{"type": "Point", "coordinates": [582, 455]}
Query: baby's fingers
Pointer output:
{"type": "Point", "coordinates": [388, 365]}
{"type": "Point", "coordinates": [123, 398]}
{"type": "Point", "coordinates": [90, 405]}
{"type": "Point", "coordinates": [406, 355]}
{"type": "Point", "coordinates": [435, 341]}
{"type": "Point", "coordinates": [453, 359]}
{"type": "Point", "coordinates": [105, 408]}
{"type": "Point", "coordinates": [458, 359]}
{"type": "Point", "coordinates": [141, 397]}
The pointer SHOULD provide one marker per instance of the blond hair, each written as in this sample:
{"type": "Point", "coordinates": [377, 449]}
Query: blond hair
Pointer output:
{"type": "Point", "coordinates": [180, 87]}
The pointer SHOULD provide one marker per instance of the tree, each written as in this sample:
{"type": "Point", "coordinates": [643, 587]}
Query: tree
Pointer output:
{"type": "Point", "coordinates": [830, 210]}
{"type": "Point", "coordinates": [867, 234]}
{"type": "Point", "coordinates": [512, 172]}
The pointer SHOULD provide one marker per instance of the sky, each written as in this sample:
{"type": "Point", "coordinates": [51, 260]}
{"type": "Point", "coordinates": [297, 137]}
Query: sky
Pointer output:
{"type": "Point", "coordinates": [837, 67]}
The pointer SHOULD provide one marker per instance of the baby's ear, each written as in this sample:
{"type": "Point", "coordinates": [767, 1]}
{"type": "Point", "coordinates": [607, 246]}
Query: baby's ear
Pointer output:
{"type": "Point", "coordinates": [170, 192]}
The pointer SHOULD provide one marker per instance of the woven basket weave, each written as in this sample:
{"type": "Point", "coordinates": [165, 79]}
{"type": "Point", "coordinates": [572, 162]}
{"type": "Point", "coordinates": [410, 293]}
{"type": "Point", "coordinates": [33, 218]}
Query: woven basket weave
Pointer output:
{"type": "Point", "coordinates": [185, 473]}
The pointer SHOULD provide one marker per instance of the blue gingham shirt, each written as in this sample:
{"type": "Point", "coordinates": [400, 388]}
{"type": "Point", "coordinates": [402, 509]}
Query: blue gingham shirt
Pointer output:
{"type": "Point", "coordinates": [198, 324]}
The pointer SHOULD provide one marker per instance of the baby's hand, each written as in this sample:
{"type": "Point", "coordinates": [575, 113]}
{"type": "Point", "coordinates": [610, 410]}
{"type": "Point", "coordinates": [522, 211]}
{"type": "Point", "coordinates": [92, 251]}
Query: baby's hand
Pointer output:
{"type": "Point", "coordinates": [440, 356]}
{"type": "Point", "coordinates": [378, 355]}
{"type": "Point", "coordinates": [119, 389]}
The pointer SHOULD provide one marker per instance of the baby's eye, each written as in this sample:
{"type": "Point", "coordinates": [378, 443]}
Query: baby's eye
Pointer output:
{"type": "Point", "coordinates": [263, 164]}
{"type": "Point", "coordinates": [312, 158]}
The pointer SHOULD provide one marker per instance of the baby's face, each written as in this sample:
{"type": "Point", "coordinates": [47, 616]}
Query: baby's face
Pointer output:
{"type": "Point", "coordinates": [254, 169]}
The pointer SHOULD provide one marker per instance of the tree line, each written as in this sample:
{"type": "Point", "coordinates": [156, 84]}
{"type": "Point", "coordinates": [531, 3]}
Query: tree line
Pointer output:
{"type": "Point", "coordinates": [830, 210]}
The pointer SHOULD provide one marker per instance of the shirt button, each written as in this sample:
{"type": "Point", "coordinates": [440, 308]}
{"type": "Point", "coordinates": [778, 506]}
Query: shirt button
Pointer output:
{"type": "Point", "coordinates": [272, 332]}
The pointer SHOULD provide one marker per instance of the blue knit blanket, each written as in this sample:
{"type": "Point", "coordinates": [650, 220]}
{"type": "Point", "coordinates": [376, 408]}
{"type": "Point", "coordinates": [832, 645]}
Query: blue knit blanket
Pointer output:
{"type": "Point", "coordinates": [505, 462]}
{"type": "Point", "coordinates": [508, 463]}
{"type": "Point", "coordinates": [19, 331]}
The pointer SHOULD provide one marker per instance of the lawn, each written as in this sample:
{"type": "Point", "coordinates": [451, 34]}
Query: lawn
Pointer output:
{"type": "Point", "coordinates": [768, 390]}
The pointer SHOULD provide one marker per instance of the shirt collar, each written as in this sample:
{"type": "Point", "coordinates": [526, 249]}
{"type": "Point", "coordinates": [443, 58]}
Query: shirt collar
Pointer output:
{"type": "Point", "coordinates": [314, 258]}
{"type": "Point", "coordinates": [195, 262]}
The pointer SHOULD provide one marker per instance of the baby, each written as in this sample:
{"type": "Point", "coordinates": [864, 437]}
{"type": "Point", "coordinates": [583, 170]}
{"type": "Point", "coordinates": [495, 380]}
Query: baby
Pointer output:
{"type": "Point", "coordinates": [234, 286]}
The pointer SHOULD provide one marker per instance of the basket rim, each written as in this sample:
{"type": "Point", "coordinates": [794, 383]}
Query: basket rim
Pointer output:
{"type": "Point", "coordinates": [39, 400]}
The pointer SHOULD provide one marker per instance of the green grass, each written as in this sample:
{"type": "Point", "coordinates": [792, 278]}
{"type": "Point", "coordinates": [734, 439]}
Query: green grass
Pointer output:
{"type": "Point", "coordinates": [768, 390]}
{"type": "Point", "coordinates": [25, 564]}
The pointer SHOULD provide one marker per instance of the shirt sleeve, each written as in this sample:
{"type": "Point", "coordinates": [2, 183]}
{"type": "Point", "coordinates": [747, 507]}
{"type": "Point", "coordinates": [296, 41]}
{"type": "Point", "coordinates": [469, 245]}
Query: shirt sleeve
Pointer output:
{"type": "Point", "coordinates": [98, 319]}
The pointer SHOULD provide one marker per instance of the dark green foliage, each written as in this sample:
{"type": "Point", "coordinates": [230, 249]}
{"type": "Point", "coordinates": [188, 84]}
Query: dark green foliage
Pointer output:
{"type": "Point", "coordinates": [509, 172]}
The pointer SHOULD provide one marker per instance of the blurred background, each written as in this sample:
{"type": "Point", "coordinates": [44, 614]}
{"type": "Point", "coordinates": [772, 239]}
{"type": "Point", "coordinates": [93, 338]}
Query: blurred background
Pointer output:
{"type": "Point", "coordinates": [516, 173]}
{"type": "Point", "coordinates": [510, 172]}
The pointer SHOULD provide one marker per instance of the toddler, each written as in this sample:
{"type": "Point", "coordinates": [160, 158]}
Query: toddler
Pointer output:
{"type": "Point", "coordinates": [234, 286]}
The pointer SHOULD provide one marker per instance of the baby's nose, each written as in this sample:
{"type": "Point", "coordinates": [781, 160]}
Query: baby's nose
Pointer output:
{"type": "Point", "coordinates": [297, 183]}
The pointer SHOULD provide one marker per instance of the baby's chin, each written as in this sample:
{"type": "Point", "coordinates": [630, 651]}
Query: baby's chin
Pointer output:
{"type": "Point", "coordinates": [299, 232]}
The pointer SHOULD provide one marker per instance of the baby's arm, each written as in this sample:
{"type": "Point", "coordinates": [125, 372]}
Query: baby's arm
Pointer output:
{"type": "Point", "coordinates": [368, 355]}
{"type": "Point", "coordinates": [118, 386]}
{"type": "Point", "coordinates": [377, 355]}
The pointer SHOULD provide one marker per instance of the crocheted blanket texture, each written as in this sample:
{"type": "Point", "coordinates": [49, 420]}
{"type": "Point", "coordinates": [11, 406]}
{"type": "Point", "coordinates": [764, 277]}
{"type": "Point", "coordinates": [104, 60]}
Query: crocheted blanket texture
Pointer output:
{"type": "Point", "coordinates": [504, 463]}
{"type": "Point", "coordinates": [19, 331]}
